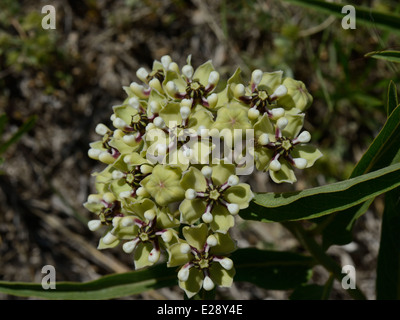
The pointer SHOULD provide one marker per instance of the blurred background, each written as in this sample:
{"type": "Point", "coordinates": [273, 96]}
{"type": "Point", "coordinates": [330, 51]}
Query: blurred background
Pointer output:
{"type": "Point", "coordinates": [70, 77]}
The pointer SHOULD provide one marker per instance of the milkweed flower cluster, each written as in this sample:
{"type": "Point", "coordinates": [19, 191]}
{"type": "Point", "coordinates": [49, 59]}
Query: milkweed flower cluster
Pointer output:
{"type": "Point", "coordinates": [167, 190]}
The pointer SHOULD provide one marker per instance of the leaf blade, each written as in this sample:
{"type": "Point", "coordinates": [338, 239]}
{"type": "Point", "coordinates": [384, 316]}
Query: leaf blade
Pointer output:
{"type": "Point", "coordinates": [320, 201]}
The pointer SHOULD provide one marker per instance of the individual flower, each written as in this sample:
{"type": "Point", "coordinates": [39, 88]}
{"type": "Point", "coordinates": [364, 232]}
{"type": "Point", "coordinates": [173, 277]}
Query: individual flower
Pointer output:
{"type": "Point", "coordinates": [297, 98]}
{"type": "Point", "coordinates": [145, 230]}
{"type": "Point", "coordinates": [280, 146]}
{"type": "Point", "coordinates": [213, 195]}
{"type": "Point", "coordinates": [178, 135]}
{"type": "Point", "coordinates": [197, 85]}
{"type": "Point", "coordinates": [232, 117]}
{"type": "Point", "coordinates": [262, 94]}
{"type": "Point", "coordinates": [151, 79]}
{"type": "Point", "coordinates": [163, 184]}
{"type": "Point", "coordinates": [204, 260]}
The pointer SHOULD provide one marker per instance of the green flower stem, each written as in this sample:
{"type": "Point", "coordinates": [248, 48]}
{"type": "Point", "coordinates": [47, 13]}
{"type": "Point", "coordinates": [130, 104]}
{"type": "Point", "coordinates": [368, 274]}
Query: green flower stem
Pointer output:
{"type": "Point", "coordinates": [320, 255]}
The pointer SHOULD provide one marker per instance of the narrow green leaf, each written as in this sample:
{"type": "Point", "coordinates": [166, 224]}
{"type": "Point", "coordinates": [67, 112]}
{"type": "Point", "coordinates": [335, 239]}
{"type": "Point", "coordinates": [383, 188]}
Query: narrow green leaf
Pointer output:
{"type": "Point", "coordinates": [364, 15]}
{"type": "Point", "coordinates": [272, 270]}
{"type": "Point", "coordinates": [267, 269]}
{"type": "Point", "coordinates": [106, 287]}
{"type": "Point", "coordinates": [392, 101]}
{"type": "Point", "coordinates": [388, 266]}
{"type": "Point", "coordinates": [28, 125]}
{"type": "Point", "coordinates": [388, 55]}
{"type": "Point", "coordinates": [316, 202]}
{"type": "Point", "coordinates": [381, 153]}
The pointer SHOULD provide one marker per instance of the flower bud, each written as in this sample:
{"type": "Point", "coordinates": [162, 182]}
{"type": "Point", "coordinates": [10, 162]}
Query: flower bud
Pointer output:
{"type": "Point", "coordinates": [263, 139]}
{"type": "Point", "coordinates": [207, 217]}
{"type": "Point", "coordinates": [233, 180]}
{"type": "Point", "coordinates": [101, 129]}
{"type": "Point", "coordinates": [226, 263]}
{"type": "Point", "coordinates": [142, 192]}
{"type": "Point", "coordinates": [185, 248]}
{"type": "Point", "coordinates": [300, 163]}
{"type": "Point", "coordinates": [206, 171]}
{"type": "Point", "coordinates": [304, 137]}
{"type": "Point", "coordinates": [253, 113]}
{"type": "Point", "coordinates": [165, 61]}
{"type": "Point", "coordinates": [213, 78]}
{"type": "Point", "coordinates": [275, 165]}
{"type": "Point", "coordinates": [94, 153]}
{"type": "Point", "coordinates": [167, 236]}
{"type": "Point", "coordinates": [279, 92]}
{"type": "Point", "coordinates": [277, 113]}
{"type": "Point", "coordinates": [212, 100]}
{"type": "Point", "coordinates": [159, 122]}
{"type": "Point", "coordinates": [109, 197]}
{"type": "Point", "coordinates": [150, 214]}
{"type": "Point", "coordinates": [129, 246]}
{"type": "Point", "coordinates": [190, 194]}
{"type": "Point", "coordinates": [256, 76]}
{"type": "Point", "coordinates": [142, 74]}
{"type": "Point", "coordinates": [282, 123]}
{"type": "Point", "coordinates": [109, 238]}
{"type": "Point", "coordinates": [187, 71]}
{"type": "Point", "coordinates": [119, 123]}
{"type": "Point", "coordinates": [94, 225]}
{"type": "Point", "coordinates": [233, 208]}
{"type": "Point", "coordinates": [212, 241]}
{"type": "Point", "coordinates": [185, 112]}
{"type": "Point", "coordinates": [155, 107]}
{"type": "Point", "coordinates": [116, 175]}
{"type": "Point", "coordinates": [154, 255]}
{"type": "Point", "coordinates": [208, 284]}
{"type": "Point", "coordinates": [183, 274]}
{"type": "Point", "coordinates": [127, 222]}
{"type": "Point", "coordinates": [239, 91]}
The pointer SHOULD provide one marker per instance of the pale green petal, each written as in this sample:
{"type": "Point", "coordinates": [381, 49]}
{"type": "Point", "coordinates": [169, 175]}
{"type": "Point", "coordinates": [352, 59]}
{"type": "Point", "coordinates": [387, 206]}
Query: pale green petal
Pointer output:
{"type": "Point", "coordinates": [240, 194]}
{"type": "Point", "coordinates": [177, 79]}
{"type": "Point", "coordinates": [141, 256]}
{"type": "Point", "coordinates": [201, 117]}
{"type": "Point", "coordinates": [225, 244]}
{"type": "Point", "coordinates": [176, 257]}
{"type": "Point", "coordinates": [220, 276]}
{"type": "Point", "coordinates": [125, 112]}
{"type": "Point", "coordinates": [295, 124]}
{"type": "Point", "coordinates": [308, 152]}
{"type": "Point", "coordinates": [191, 210]}
{"type": "Point", "coordinates": [196, 236]}
{"type": "Point", "coordinates": [163, 184]}
{"type": "Point", "coordinates": [138, 208]}
{"type": "Point", "coordinates": [297, 97]}
{"type": "Point", "coordinates": [263, 125]}
{"type": "Point", "coordinates": [262, 158]}
{"type": "Point", "coordinates": [233, 116]}
{"type": "Point", "coordinates": [203, 72]}
{"type": "Point", "coordinates": [285, 174]}
{"type": "Point", "coordinates": [193, 179]}
{"type": "Point", "coordinates": [223, 220]}
{"type": "Point", "coordinates": [221, 173]}
{"type": "Point", "coordinates": [171, 114]}
{"type": "Point", "coordinates": [193, 284]}
{"type": "Point", "coordinates": [270, 81]}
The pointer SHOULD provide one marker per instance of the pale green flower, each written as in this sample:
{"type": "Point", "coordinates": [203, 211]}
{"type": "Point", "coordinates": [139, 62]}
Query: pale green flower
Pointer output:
{"type": "Point", "coordinates": [163, 184]}
{"type": "Point", "coordinates": [213, 194]}
{"type": "Point", "coordinates": [297, 98]}
{"type": "Point", "coordinates": [196, 85]}
{"type": "Point", "coordinates": [280, 146]}
{"type": "Point", "coordinates": [204, 259]}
